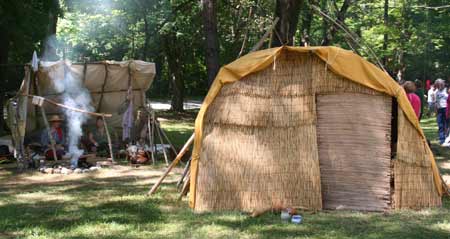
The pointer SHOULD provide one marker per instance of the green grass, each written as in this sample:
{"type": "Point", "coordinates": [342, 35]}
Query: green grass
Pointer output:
{"type": "Point", "coordinates": [34, 206]}
{"type": "Point", "coordinates": [178, 126]}
{"type": "Point", "coordinates": [429, 127]}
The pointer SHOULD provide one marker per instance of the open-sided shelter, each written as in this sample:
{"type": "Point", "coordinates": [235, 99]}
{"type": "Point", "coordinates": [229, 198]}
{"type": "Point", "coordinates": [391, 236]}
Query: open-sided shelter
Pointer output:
{"type": "Point", "coordinates": [108, 82]}
{"type": "Point", "coordinates": [309, 127]}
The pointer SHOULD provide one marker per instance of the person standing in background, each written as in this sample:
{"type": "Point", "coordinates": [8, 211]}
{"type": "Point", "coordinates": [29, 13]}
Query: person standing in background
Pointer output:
{"type": "Point", "coordinates": [421, 93]}
{"type": "Point", "coordinates": [410, 88]}
{"type": "Point", "coordinates": [431, 100]}
{"type": "Point", "coordinates": [441, 109]}
{"type": "Point", "coordinates": [428, 85]}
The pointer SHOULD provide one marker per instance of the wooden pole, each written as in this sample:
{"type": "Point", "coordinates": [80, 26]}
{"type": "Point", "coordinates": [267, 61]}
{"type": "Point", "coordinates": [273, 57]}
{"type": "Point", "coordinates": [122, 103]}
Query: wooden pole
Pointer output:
{"type": "Point", "coordinates": [185, 171]}
{"type": "Point", "coordinates": [52, 140]}
{"type": "Point", "coordinates": [44, 117]}
{"type": "Point", "coordinates": [173, 164]}
{"type": "Point", "coordinates": [109, 138]}
{"type": "Point", "coordinates": [162, 145]}
{"type": "Point", "coordinates": [153, 133]}
{"type": "Point", "coordinates": [72, 108]}
{"type": "Point", "coordinates": [185, 188]}
{"type": "Point", "coordinates": [158, 127]}
{"type": "Point", "coordinates": [99, 106]}
{"type": "Point", "coordinates": [150, 139]}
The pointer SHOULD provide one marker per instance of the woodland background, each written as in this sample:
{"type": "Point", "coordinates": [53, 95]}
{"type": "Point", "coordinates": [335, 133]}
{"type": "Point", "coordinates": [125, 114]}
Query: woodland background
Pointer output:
{"type": "Point", "coordinates": [190, 39]}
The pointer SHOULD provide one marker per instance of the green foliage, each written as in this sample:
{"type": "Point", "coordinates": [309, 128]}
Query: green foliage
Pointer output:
{"type": "Point", "coordinates": [418, 38]}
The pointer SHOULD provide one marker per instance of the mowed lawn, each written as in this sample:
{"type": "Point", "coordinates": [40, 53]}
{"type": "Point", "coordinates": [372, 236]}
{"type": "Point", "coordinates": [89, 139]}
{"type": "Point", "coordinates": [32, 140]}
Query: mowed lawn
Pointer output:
{"type": "Point", "coordinates": [111, 203]}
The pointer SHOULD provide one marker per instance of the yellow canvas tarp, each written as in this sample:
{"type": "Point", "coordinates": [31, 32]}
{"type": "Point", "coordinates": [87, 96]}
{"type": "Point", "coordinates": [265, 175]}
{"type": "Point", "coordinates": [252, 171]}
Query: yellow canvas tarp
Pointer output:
{"type": "Point", "coordinates": [342, 62]}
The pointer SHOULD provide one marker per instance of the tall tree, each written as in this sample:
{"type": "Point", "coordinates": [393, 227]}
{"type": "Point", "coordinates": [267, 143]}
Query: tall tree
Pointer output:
{"type": "Point", "coordinates": [49, 41]}
{"type": "Point", "coordinates": [212, 40]}
{"type": "Point", "coordinates": [172, 52]}
{"type": "Point", "coordinates": [288, 12]}
{"type": "Point", "coordinates": [340, 18]}
{"type": "Point", "coordinates": [385, 35]}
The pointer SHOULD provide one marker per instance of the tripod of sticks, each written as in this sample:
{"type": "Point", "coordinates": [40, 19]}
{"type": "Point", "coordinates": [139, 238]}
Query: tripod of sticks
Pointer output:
{"type": "Point", "coordinates": [156, 132]}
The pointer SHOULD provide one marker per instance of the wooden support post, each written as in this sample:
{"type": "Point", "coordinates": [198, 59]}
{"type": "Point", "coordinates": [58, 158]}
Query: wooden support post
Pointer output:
{"type": "Point", "coordinates": [150, 138]}
{"type": "Point", "coordinates": [153, 132]}
{"type": "Point", "coordinates": [173, 164]}
{"type": "Point", "coordinates": [44, 117]}
{"type": "Point", "coordinates": [99, 106]}
{"type": "Point", "coordinates": [185, 171]}
{"type": "Point", "coordinates": [162, 144]}
{"type": "Point", "coordinates": [185, 187]}
{"type": "Point", "coordinates": [108, 136]}
{"type": "Point", "coordinates": [84, 72]}
{"type": "Point", "coordinates": [158, 127]}
{"type": "Point", "coordinates": [47, 126]}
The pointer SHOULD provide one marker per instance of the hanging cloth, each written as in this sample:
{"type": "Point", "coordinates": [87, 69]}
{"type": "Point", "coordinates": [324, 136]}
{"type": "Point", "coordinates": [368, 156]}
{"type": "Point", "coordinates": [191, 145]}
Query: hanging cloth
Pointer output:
{"type": "Point", "coordinates": [128, 117]}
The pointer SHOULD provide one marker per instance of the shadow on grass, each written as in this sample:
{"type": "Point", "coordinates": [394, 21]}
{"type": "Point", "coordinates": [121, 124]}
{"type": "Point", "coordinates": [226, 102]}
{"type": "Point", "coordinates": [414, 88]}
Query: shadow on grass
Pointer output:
{"type": "Point", "coordinates": [87, 205]}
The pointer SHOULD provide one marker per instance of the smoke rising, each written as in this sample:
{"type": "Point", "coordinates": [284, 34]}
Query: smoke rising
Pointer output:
{"type": "Point", "coordinates": [74, 95]}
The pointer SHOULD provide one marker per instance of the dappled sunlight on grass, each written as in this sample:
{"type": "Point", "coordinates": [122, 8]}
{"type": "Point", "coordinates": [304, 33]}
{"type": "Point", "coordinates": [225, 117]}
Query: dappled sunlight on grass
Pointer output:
{"type": "Point", "coordinates": [111, 203]}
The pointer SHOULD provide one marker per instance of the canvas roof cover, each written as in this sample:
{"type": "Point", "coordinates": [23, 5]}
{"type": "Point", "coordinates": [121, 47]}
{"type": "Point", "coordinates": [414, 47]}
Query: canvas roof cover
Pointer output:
{"type": "Point", "coordinates": [342, 62]}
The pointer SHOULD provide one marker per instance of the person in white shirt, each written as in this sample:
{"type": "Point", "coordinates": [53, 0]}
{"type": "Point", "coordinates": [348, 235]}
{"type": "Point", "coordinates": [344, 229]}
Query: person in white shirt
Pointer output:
{"type": "Point", "coordinates": [431, 100]}
{"type": "Point", "coordinates": [441, 108]}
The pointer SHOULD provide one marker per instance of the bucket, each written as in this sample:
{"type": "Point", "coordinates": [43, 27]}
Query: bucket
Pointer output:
{"type": "Point", "coordinates": [297, 219]}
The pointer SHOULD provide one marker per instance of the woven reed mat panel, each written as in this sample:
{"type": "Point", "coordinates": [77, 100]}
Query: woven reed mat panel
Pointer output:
{"type": "Point", "coordinates": [413, 175]}
{"type": "Point", "coordinates": [259, 148]}
{"type": "Point", "coordinates": [327, 82]}
{"type": "Point", "coordinates": [354, 151]}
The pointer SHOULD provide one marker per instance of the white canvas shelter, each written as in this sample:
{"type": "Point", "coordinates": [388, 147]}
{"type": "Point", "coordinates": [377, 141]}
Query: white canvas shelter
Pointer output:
{"type": "Point", "coordinates": [108, 83]}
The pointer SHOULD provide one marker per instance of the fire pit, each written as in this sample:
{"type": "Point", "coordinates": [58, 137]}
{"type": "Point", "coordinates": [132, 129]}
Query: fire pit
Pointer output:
{"type": "Point", "coordinates": [64, 166]}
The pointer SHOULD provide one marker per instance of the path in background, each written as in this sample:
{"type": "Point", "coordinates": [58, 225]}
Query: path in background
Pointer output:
{"type": "Point", "coordinates": [165, 104]}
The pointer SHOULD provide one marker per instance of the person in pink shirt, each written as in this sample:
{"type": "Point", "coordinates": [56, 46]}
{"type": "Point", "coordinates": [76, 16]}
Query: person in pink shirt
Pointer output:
{"type": "Point", "coordinates": [410, 88]}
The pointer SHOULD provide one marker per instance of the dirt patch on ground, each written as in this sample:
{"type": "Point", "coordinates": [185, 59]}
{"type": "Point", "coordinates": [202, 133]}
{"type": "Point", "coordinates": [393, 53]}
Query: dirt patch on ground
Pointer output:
{"type": "Point", "coordinates": [144, 175]}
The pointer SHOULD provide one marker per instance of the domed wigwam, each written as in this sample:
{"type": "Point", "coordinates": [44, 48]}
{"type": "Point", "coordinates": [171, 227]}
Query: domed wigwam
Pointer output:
{"type": "Point", "coordinates": [314, 128]}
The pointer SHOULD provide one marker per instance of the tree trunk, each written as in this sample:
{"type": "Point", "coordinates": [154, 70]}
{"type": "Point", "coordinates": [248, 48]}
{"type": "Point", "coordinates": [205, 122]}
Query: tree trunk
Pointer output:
{"type": "Point", "coordinates": [175, 71]}
{"type": "Point", "coordinates": [4, 55]}
{"type": "Point", "coordinates": [340, 18]}
{"type": "Point", "coordinates": [212, 40]}
{"type": "Point", "coordinates": [385, 37]}
{"type": "Point", "coordinates": [49, 43]}
{"type": "Point", "coordinates": [4, 49]}
{"type": "Point", "coordinates": [306, 25]}
{"type": "Point", "coordinates": [288, 12]}
{"type": "Point", "coordinates": [146, 39]}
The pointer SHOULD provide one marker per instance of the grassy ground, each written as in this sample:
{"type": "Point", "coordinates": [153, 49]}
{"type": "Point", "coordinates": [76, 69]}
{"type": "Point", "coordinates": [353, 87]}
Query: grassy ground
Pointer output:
{"type": "Point", "coordinates": [178, 126]}
{"type": "Point", "coordinates": [111, 204]}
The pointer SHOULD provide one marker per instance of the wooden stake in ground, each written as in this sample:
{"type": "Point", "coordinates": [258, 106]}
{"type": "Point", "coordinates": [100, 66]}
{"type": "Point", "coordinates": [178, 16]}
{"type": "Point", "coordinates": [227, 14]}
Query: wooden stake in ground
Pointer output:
{"type": "Point", "coordinates": [150, 138]}
{"type": "Point", "coordinates": [185, 188]}
{"type": "Point", "coordinates": [109, 138]}
{"type": "Point", "coordinates": [185, 171]}
{"type": "Point", "coordinates": [152, 113]}
{"type": "Point", "coordinates": [173, 164]}
{"type": "Point", "coordinates": [47, 126]}
{"type": "Point", "coordinates": [165, 137]}
{"type": "Point", "coordinates": [162, 143]}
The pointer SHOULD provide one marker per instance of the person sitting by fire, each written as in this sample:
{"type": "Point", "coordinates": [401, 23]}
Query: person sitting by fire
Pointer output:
{"type": "Point", "coordinates": [58, 135]}
{"type": "Point", "coordinates": [98, 141]}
